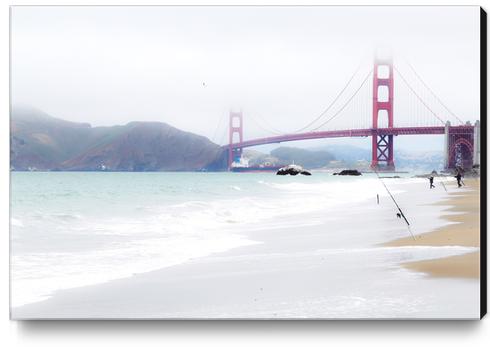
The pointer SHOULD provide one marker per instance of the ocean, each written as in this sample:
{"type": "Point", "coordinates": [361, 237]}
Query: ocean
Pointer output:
{"type": "Point", "coordinates": [73, 229]}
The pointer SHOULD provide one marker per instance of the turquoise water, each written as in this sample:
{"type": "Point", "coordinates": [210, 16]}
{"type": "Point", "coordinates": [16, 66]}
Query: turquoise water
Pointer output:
{"type": "Point", "coordinates": [73, 229]}
{"type": "Point", "coordinates": [70, 229]}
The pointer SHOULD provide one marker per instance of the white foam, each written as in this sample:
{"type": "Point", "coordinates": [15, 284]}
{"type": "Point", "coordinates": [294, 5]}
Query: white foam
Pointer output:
{"type": "Point", "coordinates": [167, 235]}
{"type": "Point", "coordinates": [37, 276]}
{"type": "Point", "coordinates": [16, 222]}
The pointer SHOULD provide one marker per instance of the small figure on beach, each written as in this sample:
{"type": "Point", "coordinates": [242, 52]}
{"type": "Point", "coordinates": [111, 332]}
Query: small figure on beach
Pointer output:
{"type": "Point", "coordinates": [431, 181]}
{"type": "Point", "coordinates": [459, 179]}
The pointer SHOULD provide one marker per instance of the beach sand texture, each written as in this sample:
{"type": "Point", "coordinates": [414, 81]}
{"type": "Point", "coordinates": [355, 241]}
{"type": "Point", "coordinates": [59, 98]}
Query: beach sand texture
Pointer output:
{"type": "Point", "coordinates": [324, 264]}
{"type": "Point", "coordinates": [464, 231]}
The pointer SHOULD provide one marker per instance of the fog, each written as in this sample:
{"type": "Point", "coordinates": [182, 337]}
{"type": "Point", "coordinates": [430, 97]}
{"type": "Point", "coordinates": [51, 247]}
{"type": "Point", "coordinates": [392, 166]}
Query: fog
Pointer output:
{"type": "Point", "coordinates": [189, 66]}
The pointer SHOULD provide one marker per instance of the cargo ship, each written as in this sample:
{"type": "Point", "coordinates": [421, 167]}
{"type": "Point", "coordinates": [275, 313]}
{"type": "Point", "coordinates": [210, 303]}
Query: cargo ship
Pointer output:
{"type": "Point", "coordinates": [243, 166]}
{"type": "Point", "coordinates": [255, 168]}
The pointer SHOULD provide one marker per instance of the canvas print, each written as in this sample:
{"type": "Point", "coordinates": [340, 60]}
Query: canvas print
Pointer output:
{"type": "Point", "coordinates": [245, 162]}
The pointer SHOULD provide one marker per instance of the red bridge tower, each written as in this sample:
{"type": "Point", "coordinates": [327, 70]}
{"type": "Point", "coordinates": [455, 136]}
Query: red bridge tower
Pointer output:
{"type": "Point", "coordinates": [382, 145]}
{"type": "Point", "coordinates": [236, 127]}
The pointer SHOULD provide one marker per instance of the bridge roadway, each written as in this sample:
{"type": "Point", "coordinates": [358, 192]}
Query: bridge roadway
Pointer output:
{"type": "Point", "coordinates": [429, 130]}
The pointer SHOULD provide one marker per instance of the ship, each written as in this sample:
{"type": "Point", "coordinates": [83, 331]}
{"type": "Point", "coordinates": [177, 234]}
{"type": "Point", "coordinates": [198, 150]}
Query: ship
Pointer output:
{"type": "Point", "coordinates": [243, 166]}
{"type": "Point", "coordinates": [255, 168]}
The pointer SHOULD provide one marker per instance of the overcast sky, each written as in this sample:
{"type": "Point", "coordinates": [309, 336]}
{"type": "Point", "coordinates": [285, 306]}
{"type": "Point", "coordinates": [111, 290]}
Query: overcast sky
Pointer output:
{"type": "Point", "coordinates": [282, 66]}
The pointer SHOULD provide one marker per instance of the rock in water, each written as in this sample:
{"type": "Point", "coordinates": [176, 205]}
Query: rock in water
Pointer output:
{"type": "Point", "coordinates": [292, 170]}
{"type": "Point", "coordinates": [348, 173]}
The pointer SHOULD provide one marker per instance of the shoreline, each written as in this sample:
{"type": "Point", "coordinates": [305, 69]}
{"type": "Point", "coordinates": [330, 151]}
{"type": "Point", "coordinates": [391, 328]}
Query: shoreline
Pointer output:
{"type": "Point", "coordinates": [463, 230]}
{"type": "Point", "coordinates": [325, 268]}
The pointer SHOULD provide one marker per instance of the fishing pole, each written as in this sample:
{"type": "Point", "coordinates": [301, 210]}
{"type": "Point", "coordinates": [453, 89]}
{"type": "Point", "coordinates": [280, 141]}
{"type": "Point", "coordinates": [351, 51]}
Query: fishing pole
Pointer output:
{"type": "Point", "coordinates": [444, 186]}
{"type": "Point", "coordinates": [399, 209]}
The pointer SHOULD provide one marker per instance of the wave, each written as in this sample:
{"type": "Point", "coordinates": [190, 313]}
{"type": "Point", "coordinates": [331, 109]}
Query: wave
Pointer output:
{"type": "Point", "coordinates": [16, 222]}
{"type": "Point", "coordinates": [114, 243]}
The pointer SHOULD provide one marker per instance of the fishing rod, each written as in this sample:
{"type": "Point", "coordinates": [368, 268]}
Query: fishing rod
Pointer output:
{"type": "Point", "coordinates": [399, 209]}
{"type": "Point", "coordinates": [443, 186]}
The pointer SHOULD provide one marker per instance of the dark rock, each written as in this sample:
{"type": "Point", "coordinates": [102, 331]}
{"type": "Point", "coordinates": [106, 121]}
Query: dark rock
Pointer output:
{"type": "Point", "coordinates": [292, 170]}
{"type": "Point", "coordinates": [348, 173]}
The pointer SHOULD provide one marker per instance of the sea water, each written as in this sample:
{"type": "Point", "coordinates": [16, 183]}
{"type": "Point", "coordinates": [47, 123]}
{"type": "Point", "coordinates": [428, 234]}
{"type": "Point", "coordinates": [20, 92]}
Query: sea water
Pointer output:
{"type": "Point", "coordinates": [71, 229]}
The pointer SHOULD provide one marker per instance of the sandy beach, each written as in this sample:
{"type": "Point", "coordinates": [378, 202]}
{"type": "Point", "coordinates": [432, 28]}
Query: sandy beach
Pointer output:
{"type": "Point", "coordinates": [324, 261]}
{"type": "Point", "coordinates": [464, 231]}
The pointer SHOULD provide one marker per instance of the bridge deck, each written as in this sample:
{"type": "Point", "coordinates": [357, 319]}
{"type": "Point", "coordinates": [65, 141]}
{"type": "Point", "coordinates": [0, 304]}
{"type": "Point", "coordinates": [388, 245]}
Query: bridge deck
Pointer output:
{"type": "Point", "coordinates": [433, 130]}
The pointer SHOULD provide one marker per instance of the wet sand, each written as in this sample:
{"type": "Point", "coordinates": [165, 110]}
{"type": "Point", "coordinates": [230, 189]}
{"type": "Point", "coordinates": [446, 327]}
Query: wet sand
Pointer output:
{"type": "Point", "coordinates": [465, 231]}
{"type": "Point", "coordinates": [331, 267]}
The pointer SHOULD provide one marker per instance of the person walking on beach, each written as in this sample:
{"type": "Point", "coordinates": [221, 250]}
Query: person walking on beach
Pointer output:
{"type": "Point", "coordinates": [431, 181]}
{"type": "Point", "coordinates": [458, 178]}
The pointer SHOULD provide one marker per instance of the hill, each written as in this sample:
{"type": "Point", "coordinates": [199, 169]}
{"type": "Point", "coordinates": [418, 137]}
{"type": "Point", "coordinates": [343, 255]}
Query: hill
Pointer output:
{"type": "Point", "coordinates": [354, 156]}
{"type": "Point", "coordinates": [346, 153]}
{"type": "Point", "coordinates": [42, 142]}
{"type": "Point", "coordinates": [310, 159]}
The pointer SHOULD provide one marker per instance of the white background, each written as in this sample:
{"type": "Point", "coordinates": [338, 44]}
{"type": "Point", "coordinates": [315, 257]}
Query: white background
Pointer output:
{"type": "Point", "coordinates": [226, 333]}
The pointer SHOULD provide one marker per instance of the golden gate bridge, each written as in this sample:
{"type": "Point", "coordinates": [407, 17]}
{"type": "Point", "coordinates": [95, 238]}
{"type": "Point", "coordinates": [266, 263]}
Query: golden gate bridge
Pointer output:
{"type": "Point", "coordinates": [462, 140]}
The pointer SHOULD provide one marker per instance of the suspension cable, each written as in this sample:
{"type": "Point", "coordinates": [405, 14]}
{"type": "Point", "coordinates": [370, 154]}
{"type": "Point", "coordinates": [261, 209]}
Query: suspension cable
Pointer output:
{"type": "Point", "coordinates": [332, 103]}
{"type": "Point", "coordinates": [271, 128]}
{"type": "Point", "coordinates": [272, 131]}
{"type": "Point", "coordinates": [222, 141]}
{"type": "Point", "coordinates": [418, 97]}
{"type": "Point", "coordinates": [218, 126]}
{"type": "Point", "coordinates": [433, 94]}
{"type": "Point", "coordinates": [346, 103]}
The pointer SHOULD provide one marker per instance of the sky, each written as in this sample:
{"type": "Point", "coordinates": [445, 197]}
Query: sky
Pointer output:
{"type": "Point", "coordinates": [281, 66]}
